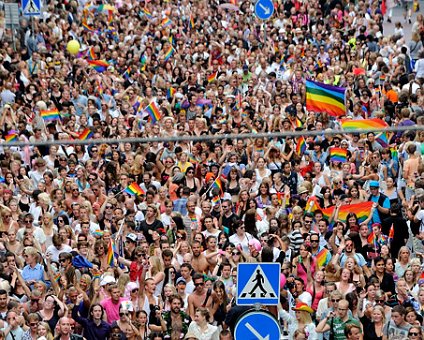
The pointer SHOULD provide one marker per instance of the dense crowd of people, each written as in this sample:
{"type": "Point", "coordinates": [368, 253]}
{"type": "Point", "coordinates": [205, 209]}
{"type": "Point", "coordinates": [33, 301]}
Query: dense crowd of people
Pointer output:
{"type": "Point", "coordinates": [85, 255]}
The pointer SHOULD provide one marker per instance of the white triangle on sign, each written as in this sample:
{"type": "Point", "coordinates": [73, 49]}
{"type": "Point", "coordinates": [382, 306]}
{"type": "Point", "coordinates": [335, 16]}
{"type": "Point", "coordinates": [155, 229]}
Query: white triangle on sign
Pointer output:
{"type": "Point", "coordinates": [258, 286]}
{"type": "Point", "coordinates": [31, 7]}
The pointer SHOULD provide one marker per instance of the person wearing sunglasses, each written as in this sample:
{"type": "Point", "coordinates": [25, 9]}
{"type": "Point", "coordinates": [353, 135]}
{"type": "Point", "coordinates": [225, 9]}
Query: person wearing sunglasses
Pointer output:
{"type": "Point", "coordinates": [200, 297]}
{"type": "Point", "coordinates": [415, 333]}
{"type": "Point", "coordinates": [125, 324]}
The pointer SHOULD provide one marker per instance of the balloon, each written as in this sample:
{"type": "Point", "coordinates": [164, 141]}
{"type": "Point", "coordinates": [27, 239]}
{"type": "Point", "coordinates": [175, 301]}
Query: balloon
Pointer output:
{"type": "Point", "coordinates": [73, 47]}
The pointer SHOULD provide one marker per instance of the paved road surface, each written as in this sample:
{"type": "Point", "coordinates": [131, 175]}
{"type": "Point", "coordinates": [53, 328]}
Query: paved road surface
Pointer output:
{"type": "Point", "coordinates": [398, 16]}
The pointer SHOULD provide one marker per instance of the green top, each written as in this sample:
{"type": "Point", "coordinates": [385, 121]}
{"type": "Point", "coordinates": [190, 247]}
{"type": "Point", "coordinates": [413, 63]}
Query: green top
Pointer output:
{"type": "Point", "coordinates": [339, 326]}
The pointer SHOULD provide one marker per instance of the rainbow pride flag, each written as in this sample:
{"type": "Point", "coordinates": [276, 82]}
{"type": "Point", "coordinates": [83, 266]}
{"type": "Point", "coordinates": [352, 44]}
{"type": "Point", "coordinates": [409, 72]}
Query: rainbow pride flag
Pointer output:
{"type": "Point", "coordinates": [338, 155]}
{"type": "Point", "coordinates": [323, 257]}
{"type": "Point", "coordinates": [301, 146]}
{"type": "Point", "coordinates": [49, 115]}
{"type": "Point", "coordinates": [85, 134]}
{"type": "Point", "coordinates": [2, 179]}
{"type": "Point", "coordinates": [362, 211]}
{"type": "Point", "coordinates": [298, 123]}
{"type": "Point", "coordinates": [134, 190]}
{"type": "Point", "coordinates": [11, 136]}
{"type": "Point", "coordinates": [395, 154]}
{"type": "Point", "coordinates": [391, 234]}
{"type": "Point", "coordinates": [166, 22]}
{"type": "Point", "coordinates": [169, 53]}
{"type": "Point", "coordinates": [325, 98]}
{"type": "Point", "coordinates": [170, 93]}
{"type": "Point", "coordinates": [57, 277]}
{"type": "Point", "coordinates": [217, 185]}
{"type": "Point", "coordinates": [191, 22]}
{"type": "Point", "coordinates": [91, 54]}
{"type": "Point", "coordinates": [99, 65]}
{"type": "Point", "coordinates": [127, 73]}
{"type": "Point", "coordinates": [110, 254]}
{"type": "Point", "coordinates": [153, 111]}
{"type": "Point", "coordinates": [212, 77]}
{"type": "Point", "coordinates": [147, 13]}
{"type": "Point", "coordinates": [382, 139]}
{"type": "Point", "coordinates": [372, 123]}
{"type": "Point", "coordinates": [216, 200]}
{"type": "Point", "coordinates": [372, 240]}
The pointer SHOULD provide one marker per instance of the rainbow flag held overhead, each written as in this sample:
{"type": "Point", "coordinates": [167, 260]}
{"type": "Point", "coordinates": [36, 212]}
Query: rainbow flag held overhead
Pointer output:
{"type": "Point", "coordinates": [110, 254]}
{"type": "Point", "coordinates": [191, 22]}
{"type": "Point", "coordinates": [169, 53]}
{"type": "Point", "coordinates": [325, 98]}
{"type": "Point", "coordinates": [99, 65]}
{"type": "Point", "coordinates": [166, 22]}
{"type": "Point", "coordinates": [153, 111]}
{"type": "Point", "coordinates": [323, 257]}
{"type": "Point", "coordinates": [85, 134]}
{"type": "Point", "coordinates": [212, 77]}
{"type": "Point", "coordinates": [134, 190]}
{"type": "Point", "coordinates": [217, 185]}
{"type": "Point", "coordinates": [372, 123]}
{"type": "Point", "coordinates": [170, 93]}
{"type": "Point", "coordinates": [11, 136]}
{"type": "Point", "coordinates": [147, 13]}
{"type": "Point", "coordinates": [49, 115]}
{"type": "Point", "coordinates": [338, 155]}
{"type": "Point", "coordinates": [301, 146]}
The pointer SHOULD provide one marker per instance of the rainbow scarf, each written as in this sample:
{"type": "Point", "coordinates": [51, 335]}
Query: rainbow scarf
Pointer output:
{"type": "Point", "coordinates": [49, 115]}
{"type": "Point", "coordinates": [325, 98]}
{"type": "Point", "coordinates": [134, 189]}
{"type": "Point", "coordinates": [338, 155]}
{"type": "Point", "coordinates": [86, 134]}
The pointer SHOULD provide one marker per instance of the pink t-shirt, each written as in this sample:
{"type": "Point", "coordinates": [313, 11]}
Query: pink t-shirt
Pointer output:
{"type": "Point", "coordinates": [112, 309]}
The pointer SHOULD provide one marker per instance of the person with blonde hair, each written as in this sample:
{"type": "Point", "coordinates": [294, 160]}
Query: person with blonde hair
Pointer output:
{"type": "Point", "coordinates": [200, 326]}
{"type": "Point", "coordinates": [301, 321]}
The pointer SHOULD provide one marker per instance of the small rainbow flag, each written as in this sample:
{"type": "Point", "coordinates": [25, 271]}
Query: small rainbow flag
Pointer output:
{"type": "Point", "coordinates": [216, 200]}
{"type": "Point", "coordinates": [87, 27]}
{"type": "Point", "coordinates": [11, 136]}
{"type": "Point", "coordinates": [85, 134]}
{"type": "Point", "coordinates": [323, 257]}
{"type": "Point", "coordinates": [110, 254]}
{"type": "Point", "coordinates": [301, 146]}
{"type": "Point", "coordinates": [372, 123]}
{"type": "Point", "coordinates": [170, 92]}
{"type": "Point", "coordinates": [212, 77]}
{"type": "Point", "coordinates": [127, 73]}
{"type": "Point", "coordinates": [143, 59]}
{"type": "Point", "coordinates": [2, 179]}
{"type": "Point", "coordinates": [395, 154]}
{"type": "Point", "coordinates": [100, 88]}
{"type": "Point", "coordinates": [153, 111]}
{"type": "Point", "coordinates": [191, 22]}
{"type": "Point", "coordinates": [49, 115]}
{"type": "Point", "coordinates": [166, 22]}
{"type": "Point", "coordinates": [99, 65]}
{"type": "Point", "coordinates": [217, 185]}
{"type": "Point", "coordinates": [134, 190]}
{"type": "Point", "coordinates": [169, 53]}
{"type": "Point", "coordinates": [383, 139]}
{"type": "Point", "coordinates": [391, 234]}
{"type": "Point", "coordinates": [372, 240]}
{"type": "Point", "coordinates": [298, 123]}
{"type": "Point", "coordinates": [338, 155]}
{"type": "Point", "coordinates": [321, 97]}
{"type": "Point", "coordinates": [91, 54]}
{"type": "Point", "coordinates": [98, 233]}
{"type": "Point", "coordinates": [147, 13]}
{"type": "Point", "coordinates": [57, 277]}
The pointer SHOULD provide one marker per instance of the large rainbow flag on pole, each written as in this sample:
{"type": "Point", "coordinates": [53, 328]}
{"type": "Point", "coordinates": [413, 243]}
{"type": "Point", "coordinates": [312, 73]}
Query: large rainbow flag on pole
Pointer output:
{"type": "Point", "coordinates": [321, 97]}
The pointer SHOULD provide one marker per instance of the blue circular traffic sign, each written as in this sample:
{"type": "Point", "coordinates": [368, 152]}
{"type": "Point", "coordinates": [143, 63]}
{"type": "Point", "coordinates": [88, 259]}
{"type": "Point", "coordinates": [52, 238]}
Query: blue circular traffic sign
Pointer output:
{"type": "Point", "coordinates": [257, 325]}
{"type": "Point", "coordinates": [264, 9]}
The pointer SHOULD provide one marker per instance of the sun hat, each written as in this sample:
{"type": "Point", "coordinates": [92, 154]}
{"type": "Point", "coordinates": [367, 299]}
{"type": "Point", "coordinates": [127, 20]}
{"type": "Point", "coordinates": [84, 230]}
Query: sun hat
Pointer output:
{"type": "Point", "coordinates": [303, 307]}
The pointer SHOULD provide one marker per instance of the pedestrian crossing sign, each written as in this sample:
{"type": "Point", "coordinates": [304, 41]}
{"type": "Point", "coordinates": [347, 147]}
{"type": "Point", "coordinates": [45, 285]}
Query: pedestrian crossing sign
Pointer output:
{"type": "Point", "coordinates": [258, 283]}
{"type": "Point", "coordinates": [31, 7]}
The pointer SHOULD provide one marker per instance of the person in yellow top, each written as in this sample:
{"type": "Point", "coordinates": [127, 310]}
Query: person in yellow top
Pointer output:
{"type": "Point", "coordinates": [183, 163]}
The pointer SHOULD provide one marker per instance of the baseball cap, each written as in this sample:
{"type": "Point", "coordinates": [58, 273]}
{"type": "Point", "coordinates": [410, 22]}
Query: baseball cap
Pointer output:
{"type": "Point", "coordinates": [132, 237]}
{"type": "Point", "coordinates": [181, 280]}
{"type": "Point", "coordinates": [374, 184]}
{"type": "Point", "coordinates": [107, 279]}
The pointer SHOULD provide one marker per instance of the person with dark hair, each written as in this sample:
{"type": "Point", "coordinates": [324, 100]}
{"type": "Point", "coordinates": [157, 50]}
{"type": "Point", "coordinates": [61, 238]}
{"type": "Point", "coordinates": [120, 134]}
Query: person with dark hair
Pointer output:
{"type": "Point", "coordinates": [397, 326]}
{"type": "Point", "coordinates": [175, 322]}
{"type": "Point", "coordinates": [94, 326]}
{"type": "Point", "coordinates": [400, 228]}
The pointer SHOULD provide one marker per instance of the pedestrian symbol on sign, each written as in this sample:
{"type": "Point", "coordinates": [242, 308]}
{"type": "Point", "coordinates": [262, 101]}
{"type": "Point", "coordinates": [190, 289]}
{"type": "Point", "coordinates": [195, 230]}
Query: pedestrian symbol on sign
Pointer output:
{"type": "Point", "coordinates": [258, 286]}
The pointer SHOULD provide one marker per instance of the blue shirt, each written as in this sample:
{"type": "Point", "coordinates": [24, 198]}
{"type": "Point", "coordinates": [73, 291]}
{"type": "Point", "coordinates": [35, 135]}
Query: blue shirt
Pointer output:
{"type": "Point", "coordinates": [376, 215]}
{"type": "Point", "coordinates": [36, 273]}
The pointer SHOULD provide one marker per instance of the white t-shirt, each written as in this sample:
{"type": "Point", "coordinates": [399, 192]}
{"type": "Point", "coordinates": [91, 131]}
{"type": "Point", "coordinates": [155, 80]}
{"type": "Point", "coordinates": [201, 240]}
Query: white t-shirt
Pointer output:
{"type": "Point", "coordinates": [54, 252]}
{"type": "Point", "coordinates": [420, 217]}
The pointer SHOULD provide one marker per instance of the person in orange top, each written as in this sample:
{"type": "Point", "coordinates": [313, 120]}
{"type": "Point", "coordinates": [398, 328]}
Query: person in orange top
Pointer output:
{"type": "Point", "coordinates": [390, 94]}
